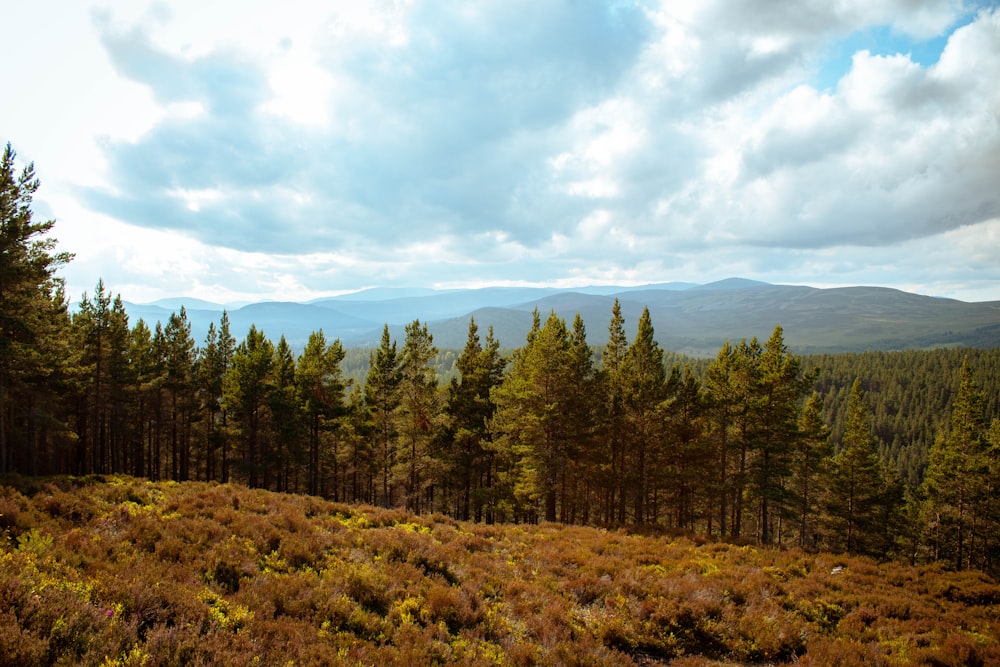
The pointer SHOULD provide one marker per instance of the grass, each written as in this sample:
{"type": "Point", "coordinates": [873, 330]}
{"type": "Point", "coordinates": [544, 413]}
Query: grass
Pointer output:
{"type": "Point", "coordinates": [120, 571]}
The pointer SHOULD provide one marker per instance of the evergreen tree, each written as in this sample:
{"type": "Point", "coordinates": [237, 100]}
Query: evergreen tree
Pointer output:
{"type": "Point", "coordinates": [775, 403]}
{"type": "Point", "coordinates": [722, 407]}
{"type": "Point", "coordinates": [93, 322]}
{"type": "Point", "coordinates": [613, 428]}
{"type": "Point", "coordinates": [470, 409]}
{"type": "Point", "coordinates": [957, 481]}
{"type": "Point", "coordinates": [382, 399]}
{"type": "Point", "coordinates": [357, 429]}
{"type": "Point", "coordinates": [687, 458]}
{"type": "Point", "coordinates": [246, 388]}
{"type": "Point", "coordinates": [531, 422]}
{"type": "Point", "coordinates": [578, 479]}
{"type": "Point", "coordinates": [321, 387]}
{"type": "Point", "coordinates": [214, 360]}
{"type": "Point", "coordinates": [812, 450]}
{"type": "Point", "coordinates": [419, 413]}
{"type": "Point", "coordinates": [644, 380]}
{"type": "Point", "coordinates": [145, 372]}
{"type": "Point", "coordinates": [856, 482]}
{"type": "Point", "coordinates": [31, 303]}
{"type": "Point", "coordinates": [285, 457]}
{"type": "Point", "coordinates": [744, 381]}
{"type": "Point", "coordinates": [178, 381]}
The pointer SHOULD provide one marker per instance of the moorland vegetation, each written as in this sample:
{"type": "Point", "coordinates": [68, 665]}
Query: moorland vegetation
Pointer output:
{"type": "Point", "coordinates": [111, 570]}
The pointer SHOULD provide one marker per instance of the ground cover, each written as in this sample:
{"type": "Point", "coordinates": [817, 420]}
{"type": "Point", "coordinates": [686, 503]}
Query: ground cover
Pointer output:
{"type": "Point", "coordinates": [122, 571]}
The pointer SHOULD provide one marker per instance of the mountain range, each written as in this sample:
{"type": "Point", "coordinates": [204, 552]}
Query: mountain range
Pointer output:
{"type": "Point", "coordinates": [689, 318]}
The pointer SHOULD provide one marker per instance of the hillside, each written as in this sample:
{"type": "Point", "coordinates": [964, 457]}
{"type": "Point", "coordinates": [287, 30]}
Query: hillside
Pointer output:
{"type": "Point", "coordinates": [694, 320]}
{"type": "Point", "coordinates": [117, 571]}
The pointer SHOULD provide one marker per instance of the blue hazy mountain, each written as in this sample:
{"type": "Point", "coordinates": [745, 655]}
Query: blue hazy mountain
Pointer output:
{"type": "Point", "coordinates": [690, 318]}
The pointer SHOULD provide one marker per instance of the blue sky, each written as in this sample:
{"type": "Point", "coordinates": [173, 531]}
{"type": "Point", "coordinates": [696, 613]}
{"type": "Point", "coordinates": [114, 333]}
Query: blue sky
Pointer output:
{"type": "Point", "coordinates": [250, 150]}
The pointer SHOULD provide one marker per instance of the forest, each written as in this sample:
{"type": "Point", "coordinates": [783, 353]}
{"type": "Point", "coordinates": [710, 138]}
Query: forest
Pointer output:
{"type": "Point", "coordinates": [893, 455]}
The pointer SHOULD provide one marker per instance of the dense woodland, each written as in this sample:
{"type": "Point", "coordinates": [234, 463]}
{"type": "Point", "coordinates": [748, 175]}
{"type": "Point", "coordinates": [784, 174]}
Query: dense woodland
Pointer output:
{"type": "Point", "coordinates": [893, 455]}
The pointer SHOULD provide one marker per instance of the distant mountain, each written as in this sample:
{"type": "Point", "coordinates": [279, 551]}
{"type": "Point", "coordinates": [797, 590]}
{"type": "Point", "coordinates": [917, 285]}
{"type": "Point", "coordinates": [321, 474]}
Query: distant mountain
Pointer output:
{"type": "Point", "coordinates": [694, 319]}
{"type": "Point", "coordinates": [175, 303]}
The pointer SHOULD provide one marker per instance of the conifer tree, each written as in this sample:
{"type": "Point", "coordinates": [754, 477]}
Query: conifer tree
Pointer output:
{"type": "Point", "coordinates": [213, 362]}
{"type": "Point", "coordinates": [577, 479]}
{"type": "Point", "coordinates": [144, 371]}
{"type": "Point", "coordinates": [531, 421]}
{"type": "Point", "coordinates": [957, 481]}
{"type": "Point", "coordinates": [286, 457]}
{"type": "Point", "coordinates": [93, 322]}
{"type": "Point", "coordinates": [29, 307]}
{"type": "Point", "coordinates": [382, 400]}
{"type": "Point", "coordinates": [645, 384]}
{"type": "Point", "coordinates": [178, 381]}
{"type": "Point", "coordinates": [613, 429]}
{"type": "Point", "coordinates": [856, 481]}
{"type": "Point", "coordinates": [470, 409]}
{"type": "Point", "coordinates": [246, 388]}
{"type": "Point", "coordinates": [722, 407]}
{"type": "Point", "coordinates": [687, 458]}
{"type": "Point", "coordinates": [321, 387]}
{"type": "Point", "coordinates": [419, 412]}
{"type": "Point", "coordinates": [744, 380]}
{"type": "Point", "coordinates": [812, 451]}
{"type": "Point", "coordinates": [775, 402]}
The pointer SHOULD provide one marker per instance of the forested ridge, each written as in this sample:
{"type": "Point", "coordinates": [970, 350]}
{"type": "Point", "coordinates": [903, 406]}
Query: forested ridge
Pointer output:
{"type": "Point", "coordinates": [894, 455]}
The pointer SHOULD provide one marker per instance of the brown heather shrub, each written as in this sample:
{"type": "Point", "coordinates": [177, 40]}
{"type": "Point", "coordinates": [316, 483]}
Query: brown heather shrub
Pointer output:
{"type": "Point", "coordinates": [143, 573]}
{"type": "Point", "coordinates": [836, 652]}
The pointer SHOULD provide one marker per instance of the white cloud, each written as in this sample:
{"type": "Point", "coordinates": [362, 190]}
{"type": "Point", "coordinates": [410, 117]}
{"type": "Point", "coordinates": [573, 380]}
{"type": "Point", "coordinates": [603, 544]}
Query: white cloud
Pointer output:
{"type": "Point", "coordinates": [241, 149]}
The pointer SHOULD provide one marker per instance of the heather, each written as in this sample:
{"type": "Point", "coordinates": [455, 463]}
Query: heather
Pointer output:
{"type": "Point", "coordinates": [121, 571]}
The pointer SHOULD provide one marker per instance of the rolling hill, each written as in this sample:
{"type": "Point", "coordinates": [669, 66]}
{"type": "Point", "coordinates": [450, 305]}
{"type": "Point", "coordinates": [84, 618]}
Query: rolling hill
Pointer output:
{"type": "Point", "coordinates": [693, 319]}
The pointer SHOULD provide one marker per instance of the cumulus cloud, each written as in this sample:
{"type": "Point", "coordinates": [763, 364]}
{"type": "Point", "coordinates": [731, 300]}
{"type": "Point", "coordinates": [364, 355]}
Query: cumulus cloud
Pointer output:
{"type": "Point", "coordinates": [449, 142]}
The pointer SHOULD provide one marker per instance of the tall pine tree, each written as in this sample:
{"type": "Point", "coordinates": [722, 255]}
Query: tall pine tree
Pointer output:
{"type": "Point", "coordinates": [957, 480]}
{"type": "Point", "coordinates": [29, 307]}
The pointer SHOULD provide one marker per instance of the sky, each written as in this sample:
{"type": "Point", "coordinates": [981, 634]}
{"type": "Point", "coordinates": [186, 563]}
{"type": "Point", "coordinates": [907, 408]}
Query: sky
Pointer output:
{"type": "Point", "coordinates": [244, 150]}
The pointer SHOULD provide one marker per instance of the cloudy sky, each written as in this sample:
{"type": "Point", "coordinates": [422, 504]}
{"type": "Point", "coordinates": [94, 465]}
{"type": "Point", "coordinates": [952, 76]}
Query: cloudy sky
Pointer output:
{"type": "Point", "coordinates": [246, 150]}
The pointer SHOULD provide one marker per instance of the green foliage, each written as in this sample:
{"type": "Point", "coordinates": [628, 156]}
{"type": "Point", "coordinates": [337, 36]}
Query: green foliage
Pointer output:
{"type": "Point", "coordinates": [855, 481]}
{"type": "Point", "coordinates": [32, 320]}
{"type": "Point", "coordinates": [959, 507]}
{"type": "Point", "coordinates": [537, 416]}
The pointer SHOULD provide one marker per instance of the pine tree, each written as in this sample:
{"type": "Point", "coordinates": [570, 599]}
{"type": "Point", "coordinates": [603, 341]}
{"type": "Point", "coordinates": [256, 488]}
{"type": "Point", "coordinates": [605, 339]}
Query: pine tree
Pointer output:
{"type": "Point", "coordinates": [286, 457]}
{"type": "Point", "coordinates": [957, 481]}
{"type": "Point", "coordinates": [470, 408]}
{"type": "Point", "coordinates": [856, 481]}
{"type": "Point", "coordinates": [321, 387]}
{"type": "Point", "coordinates": [722, 406]}
{"type": "Point", "coordinates": [775, 402]}
{"type": "Point", "coordinates": [744, 380]}
{"type": "Point", "coordinates": [214, 360]}
{"type": "Point", "coordinates": [382, 400]}
{"type": "Point", "coordinates": [577, 479]}
{"type": "Point", "coordinates": [687, 457]}
{"type": "Point", "coordinates": [613, 428]}
{"type": "Point", "coordinates": [812, 451]}
{"type": "Point", "coordinates": [29, 309]}
{"type": "Point", "coordinates": [644, 380]}
{"type": "Point", "coordinates": [246, 388]}
{"type": "Point", "coordinates": [419, 412]}
{"type": "Point", "coordinates": [93, 322]}
{"type": "Point", "coordinates": [178, 381]}
{"type": "Point", "coordinates": [533, 415]}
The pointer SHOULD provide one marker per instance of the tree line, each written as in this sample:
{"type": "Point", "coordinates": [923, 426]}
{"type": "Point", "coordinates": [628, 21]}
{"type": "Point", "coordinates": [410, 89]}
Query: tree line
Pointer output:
{"type": "Point", "coordinates": [746, 446]}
